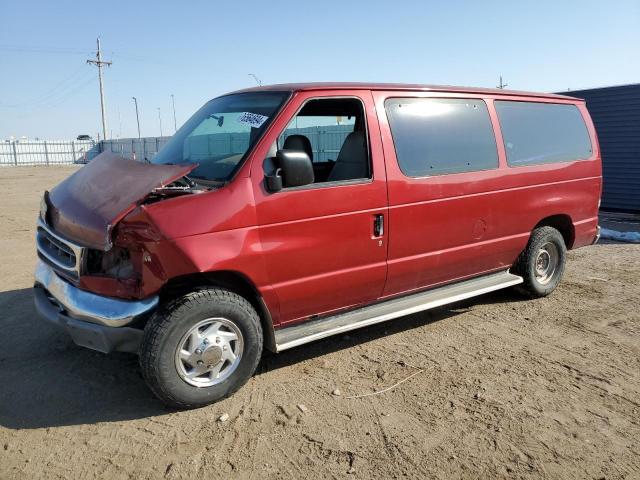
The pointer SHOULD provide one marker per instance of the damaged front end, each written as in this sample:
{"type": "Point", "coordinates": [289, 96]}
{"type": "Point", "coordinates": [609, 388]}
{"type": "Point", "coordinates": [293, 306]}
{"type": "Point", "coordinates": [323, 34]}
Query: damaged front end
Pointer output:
{"type": "Point", "coordinates": [95, 246]}
{"type": "Point", "coordinates": [86, 206]}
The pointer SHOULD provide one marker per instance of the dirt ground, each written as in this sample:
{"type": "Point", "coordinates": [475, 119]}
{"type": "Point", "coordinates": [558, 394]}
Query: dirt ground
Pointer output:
{"type": "Point", "coordinates": [510, 388]}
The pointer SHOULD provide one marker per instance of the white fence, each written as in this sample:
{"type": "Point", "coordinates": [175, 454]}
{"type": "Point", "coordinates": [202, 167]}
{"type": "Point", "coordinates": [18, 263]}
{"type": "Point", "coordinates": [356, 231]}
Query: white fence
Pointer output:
{"type": "Point", "coordinates": [325, 141]}
{"type": "Point", "coordinates": [47, 152]}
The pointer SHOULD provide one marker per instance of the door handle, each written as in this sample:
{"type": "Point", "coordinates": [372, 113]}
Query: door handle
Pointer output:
{"type": "Point", "coordinates": [378, 225]}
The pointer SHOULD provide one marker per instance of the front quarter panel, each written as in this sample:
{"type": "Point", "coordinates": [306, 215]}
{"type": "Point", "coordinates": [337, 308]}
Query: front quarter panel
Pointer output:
{"type": "Point", "coordinates": [213, 231]}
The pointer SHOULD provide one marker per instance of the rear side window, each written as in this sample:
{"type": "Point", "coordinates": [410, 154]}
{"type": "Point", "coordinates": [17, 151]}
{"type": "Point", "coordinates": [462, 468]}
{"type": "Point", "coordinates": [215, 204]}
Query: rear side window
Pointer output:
{"type": "Point", "coordinates": [536, 133]}
{"type": "Point", "coordinates": [436, 136]}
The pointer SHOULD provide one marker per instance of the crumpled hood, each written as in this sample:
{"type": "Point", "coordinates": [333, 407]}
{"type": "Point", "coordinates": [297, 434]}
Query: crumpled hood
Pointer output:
{"type": "Point", "coordinates": [85, 207]}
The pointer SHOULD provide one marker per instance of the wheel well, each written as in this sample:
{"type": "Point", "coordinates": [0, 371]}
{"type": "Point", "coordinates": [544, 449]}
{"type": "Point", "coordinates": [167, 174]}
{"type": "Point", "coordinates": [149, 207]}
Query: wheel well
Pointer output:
{"type": "Point", "coordinates": [230, 280]}
{"type": "Point", "coordinates": [563, 224]}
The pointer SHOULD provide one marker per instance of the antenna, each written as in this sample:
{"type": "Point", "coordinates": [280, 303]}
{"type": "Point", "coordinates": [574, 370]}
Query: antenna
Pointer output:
{"type": "Point", "coordinates": [255, 77]}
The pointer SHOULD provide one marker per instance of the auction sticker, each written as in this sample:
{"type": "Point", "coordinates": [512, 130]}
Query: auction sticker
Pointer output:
{"type": "Point", "coordinates": [253, 119]}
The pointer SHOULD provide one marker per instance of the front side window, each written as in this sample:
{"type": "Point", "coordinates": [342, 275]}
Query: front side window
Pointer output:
{"type": "Point", "coordinates": [536, 133]}
{"type": "Point", "coordinates": [437, 136]}
{"type": "Point", "coordinates": [332, 132]}
{"type": "Point", "coordinates": [220, 134]}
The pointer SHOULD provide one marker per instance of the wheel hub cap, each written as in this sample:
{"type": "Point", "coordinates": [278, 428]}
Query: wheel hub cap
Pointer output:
{"type": "Point", "coordinates": [212, 355]}
{"type": "Point", "coordinates": [209, 352]}
{"type": "Point", "coordinates": [546, 263]}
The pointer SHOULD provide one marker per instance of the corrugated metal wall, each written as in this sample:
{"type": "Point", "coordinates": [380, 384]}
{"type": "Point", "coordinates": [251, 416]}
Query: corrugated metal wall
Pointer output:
{"type": "Point", "coordinates": [145, 147]}
{"type": "Point", "coordinates": [616, 114]}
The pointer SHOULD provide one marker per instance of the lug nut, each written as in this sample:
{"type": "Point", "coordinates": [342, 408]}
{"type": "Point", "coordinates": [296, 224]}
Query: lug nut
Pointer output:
{"type": "Point", "coordinates": [205, 341]}
{"type": "Point", "coordinates": [200, 362]}
{"type": "Point", "coordinates": [224, 348]}
{"type": "Point", "coordinates": [198, 351]}
{"type": "Point", "coordinates": [217, 339]}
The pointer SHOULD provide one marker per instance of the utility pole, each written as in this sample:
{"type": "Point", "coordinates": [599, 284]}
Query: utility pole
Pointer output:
{"type": "Point", "coordinates": [119, 123]}
{"type": "Point", "coordinates": [502, 85]}
{"type": "Point", "coordinates": [160, 120]}
{"type": "Point", "coordinates": [100, 63]}
{"type": "Point", "coordinates": [175, 124]}
{"type": "Point", "coordinates": [135, 100]}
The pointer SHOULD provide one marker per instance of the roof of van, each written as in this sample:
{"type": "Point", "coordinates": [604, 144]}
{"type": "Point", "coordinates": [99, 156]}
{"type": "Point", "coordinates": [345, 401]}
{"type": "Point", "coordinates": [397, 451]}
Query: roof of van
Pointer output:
{"type": "Point", "coordinates": [296, 87]}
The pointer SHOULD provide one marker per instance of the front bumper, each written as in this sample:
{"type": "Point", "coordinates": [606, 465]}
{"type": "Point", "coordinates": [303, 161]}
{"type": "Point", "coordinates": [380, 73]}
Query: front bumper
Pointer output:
{"type": "Point", "coordinates": [93, 321]}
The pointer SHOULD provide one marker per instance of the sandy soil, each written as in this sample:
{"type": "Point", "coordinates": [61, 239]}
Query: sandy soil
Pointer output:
{"type": "Point", "coordinates": [511, 388]}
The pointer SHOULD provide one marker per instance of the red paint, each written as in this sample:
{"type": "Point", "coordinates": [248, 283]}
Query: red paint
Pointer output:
{"type": "Point", "coordinates": [312, 251]}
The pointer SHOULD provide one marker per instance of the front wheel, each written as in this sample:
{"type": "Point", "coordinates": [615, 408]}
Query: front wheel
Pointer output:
{"type": "Point", "coordinates": [542, 262]}
{"type": "Point", "coordinates": [200, 348]}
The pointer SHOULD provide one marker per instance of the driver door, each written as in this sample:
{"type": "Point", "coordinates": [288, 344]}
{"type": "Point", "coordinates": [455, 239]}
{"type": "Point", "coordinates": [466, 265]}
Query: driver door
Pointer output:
{"type": "Point", "coordinates": [321, 247]}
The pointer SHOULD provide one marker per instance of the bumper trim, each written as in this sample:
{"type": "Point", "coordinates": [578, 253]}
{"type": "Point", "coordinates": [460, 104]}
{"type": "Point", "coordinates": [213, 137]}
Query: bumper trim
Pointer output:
{"type": "Point", "coordinates": [89, 307]}
{"type": "Point", "coordinates": [89, 335]}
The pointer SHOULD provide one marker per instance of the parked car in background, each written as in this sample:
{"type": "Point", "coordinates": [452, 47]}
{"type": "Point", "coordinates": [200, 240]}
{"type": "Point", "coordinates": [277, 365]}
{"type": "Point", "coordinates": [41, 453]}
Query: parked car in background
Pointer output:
{"type": "Point", "coordinates": [84, 137]}
{"type": "Point", "coordinates": [280, 215]}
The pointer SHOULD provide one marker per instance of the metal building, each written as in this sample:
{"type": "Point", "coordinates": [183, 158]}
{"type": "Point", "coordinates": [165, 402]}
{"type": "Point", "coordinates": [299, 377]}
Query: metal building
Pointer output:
{"type": "Point", "coordinates": [616, 114]}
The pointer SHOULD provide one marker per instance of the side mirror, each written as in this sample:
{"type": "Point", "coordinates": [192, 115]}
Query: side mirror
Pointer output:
{"type": "Point", "coordinates": [293, 169]}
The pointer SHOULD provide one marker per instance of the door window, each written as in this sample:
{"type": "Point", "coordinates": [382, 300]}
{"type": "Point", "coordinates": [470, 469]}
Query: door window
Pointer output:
{"type": "Point", "coordinates": [332, 132]}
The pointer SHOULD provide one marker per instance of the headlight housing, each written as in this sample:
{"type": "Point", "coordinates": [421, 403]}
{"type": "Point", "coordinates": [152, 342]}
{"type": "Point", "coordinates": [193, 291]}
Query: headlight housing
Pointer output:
{"type": "Point", "coordinates": [114, 263]}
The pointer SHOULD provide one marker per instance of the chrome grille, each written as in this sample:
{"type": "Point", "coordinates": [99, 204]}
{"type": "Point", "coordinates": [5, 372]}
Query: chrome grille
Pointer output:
{"type": "Point", "coordinates": [58, 252]}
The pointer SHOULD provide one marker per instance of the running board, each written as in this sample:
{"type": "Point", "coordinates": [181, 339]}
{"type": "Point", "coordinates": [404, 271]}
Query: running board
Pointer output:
{"type": "Point", "coordinates": [313, 330]}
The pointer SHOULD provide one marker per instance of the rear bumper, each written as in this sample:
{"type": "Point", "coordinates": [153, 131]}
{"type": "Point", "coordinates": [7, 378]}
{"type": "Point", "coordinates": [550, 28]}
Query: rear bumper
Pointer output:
{"type": "Point", "coordinates": [92, 321]}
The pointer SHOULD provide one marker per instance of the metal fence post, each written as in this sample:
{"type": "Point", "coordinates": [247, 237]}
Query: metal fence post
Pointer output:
{"type": "Point", "coordinates": [46, 152]}
{"type": "Point", "coordinates": [157, 144]}
{"type": "Point", "coordinates": [15, 154]}
{"type": "Point", "coordinates": [73, 151]}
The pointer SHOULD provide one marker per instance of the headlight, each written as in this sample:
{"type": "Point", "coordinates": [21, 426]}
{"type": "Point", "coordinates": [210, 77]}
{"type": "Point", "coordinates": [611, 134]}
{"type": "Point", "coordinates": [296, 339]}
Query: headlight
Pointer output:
{"type": "Point", "coordinates": [115, 263]}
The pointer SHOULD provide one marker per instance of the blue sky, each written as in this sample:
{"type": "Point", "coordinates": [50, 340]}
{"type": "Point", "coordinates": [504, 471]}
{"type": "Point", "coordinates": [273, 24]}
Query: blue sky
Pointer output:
{"type": "Point", "coordinates": [199, 49]}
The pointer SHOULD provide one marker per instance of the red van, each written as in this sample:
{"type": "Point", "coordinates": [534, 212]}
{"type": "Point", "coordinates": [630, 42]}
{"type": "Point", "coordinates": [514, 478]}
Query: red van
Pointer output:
{"type": "Point", "coordinates": [280, 215]}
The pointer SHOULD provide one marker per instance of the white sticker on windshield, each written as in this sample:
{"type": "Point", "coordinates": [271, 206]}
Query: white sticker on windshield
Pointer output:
{"type": "Point", "coordinates": [253, 119]}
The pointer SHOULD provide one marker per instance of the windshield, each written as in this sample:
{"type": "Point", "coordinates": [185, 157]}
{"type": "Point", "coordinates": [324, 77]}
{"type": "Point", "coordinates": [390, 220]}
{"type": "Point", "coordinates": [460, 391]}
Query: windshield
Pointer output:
{"type": "Point", "coordinates": [219, 135]}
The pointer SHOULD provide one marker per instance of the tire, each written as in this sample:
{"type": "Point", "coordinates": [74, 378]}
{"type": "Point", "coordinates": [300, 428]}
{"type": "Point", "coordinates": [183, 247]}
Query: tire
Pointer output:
{"type": "Point", "coordinates": [173, 374]}
{"type": "Point", "coordinates": [538, 281]}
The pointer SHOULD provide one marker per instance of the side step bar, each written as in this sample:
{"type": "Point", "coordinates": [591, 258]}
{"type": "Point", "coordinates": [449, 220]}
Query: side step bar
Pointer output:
{"type": "Point", "coordinates": [311, 331]}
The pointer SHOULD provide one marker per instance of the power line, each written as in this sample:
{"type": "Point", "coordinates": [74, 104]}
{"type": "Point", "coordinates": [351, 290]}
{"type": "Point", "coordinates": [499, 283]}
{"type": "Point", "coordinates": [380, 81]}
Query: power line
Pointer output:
{"type": "Point", "coordinates": [59, 88]}
{"type": "Point", "coordinates": [59, 100]}
{"type": "Point", "coordinates": [70, 93]}
{"type": "Point", "coordinates": [46, 49]}
{"type": "Point", "coordinates": [100, 63]}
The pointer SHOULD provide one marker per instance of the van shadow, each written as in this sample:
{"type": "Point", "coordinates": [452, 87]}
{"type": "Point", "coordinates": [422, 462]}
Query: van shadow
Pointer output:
{"type": "Point", "coordinates": [361, 336]}
{"type": "Point", "coordinates": [47, 381]}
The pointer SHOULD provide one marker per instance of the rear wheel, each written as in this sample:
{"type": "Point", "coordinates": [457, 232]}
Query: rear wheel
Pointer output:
{"type": "Point", "coordinates": [201, 347]}
{"type": "Point", "coordinates": [542, 262]}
